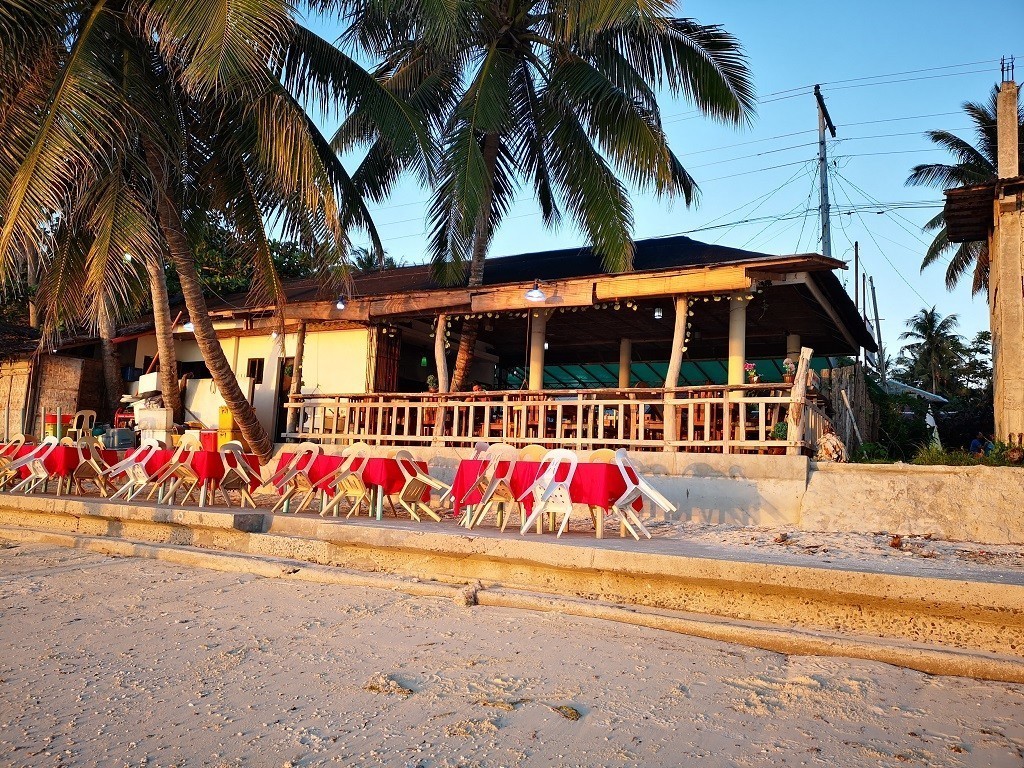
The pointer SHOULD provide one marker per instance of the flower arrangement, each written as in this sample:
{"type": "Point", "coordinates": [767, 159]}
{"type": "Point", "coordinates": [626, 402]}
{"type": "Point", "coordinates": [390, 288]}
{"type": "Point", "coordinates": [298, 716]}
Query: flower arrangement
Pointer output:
{"type": "Point", "coordinates": [751, 370]}
{"type": "Point", "coordinates": [788, 367]}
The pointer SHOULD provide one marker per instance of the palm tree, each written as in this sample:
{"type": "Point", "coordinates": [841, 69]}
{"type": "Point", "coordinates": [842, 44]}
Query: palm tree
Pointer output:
{"type": "Point", "coordinates": [936, 353]}
{"type": "Point", "coordinates": [365, 260]}
{"type": "Point", "coordinates": [555, 93]}
{"type": "Point", "coordinates": [199, 113]}
{"type": "Point", "coordinates": [973, 165]}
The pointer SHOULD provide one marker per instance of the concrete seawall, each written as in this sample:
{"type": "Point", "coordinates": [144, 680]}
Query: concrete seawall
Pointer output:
{"type": "Point", "coordinates": [949, 625]}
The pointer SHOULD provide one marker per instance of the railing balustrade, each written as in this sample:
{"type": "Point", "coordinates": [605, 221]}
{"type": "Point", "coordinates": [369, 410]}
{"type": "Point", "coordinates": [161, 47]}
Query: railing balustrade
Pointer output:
{"type": "Point", "coordinates": [721, 419]}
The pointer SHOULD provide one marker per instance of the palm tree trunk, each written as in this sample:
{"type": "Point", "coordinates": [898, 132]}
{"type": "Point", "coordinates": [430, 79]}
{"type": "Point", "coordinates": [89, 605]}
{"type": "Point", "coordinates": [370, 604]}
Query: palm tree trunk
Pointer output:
{"type": "Point", "coordinates": [165, 339]}
{"type": "Point", "coordinates": [111, 362]}
{"type": "Point", "coordinates": [206, 337]}
{"type": "Point", "coordinates": [481, 242]}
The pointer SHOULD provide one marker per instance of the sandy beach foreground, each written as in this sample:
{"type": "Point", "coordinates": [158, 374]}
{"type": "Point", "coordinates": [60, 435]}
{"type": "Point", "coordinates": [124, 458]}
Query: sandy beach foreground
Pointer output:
{"type": "Point", "coordinates": [112, 661]}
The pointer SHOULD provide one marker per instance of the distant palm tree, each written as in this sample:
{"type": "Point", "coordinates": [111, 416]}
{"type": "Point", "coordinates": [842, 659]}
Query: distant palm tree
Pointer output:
{"type": "Point", "coordinates": [973, 165]}
{"type": "Point", "coordinates": [365, 260]}
{"type": "Point", "coordinates": [936, 352]}
{"type": "Point", "coordinates": [557, 94]}
{"type": "Point", "coordinates": [181, 113]}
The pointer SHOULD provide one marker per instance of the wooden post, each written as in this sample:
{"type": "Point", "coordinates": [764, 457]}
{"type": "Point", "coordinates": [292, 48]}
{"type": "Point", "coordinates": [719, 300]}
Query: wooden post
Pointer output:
{"type": "Point", "coordinates": [675, 362]}
{"type": "Point", "coordinates": [737, 337]}
{"type": "Point", "coordinates": [440, 357]}
{"type": "Point", "coordinates": [538, 334]}
{"type": "Point", "coordinates": [296, 388]}
{"type": "Point", "coordinates": [797, 397]}
{"type": "Point", "coordinates": [625, 361]}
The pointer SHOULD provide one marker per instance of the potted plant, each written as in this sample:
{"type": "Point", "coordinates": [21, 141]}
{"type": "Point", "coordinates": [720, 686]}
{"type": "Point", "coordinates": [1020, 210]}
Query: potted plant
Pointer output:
{"type": "Point", "coordinates": [788, 371]}
{"type": "Point", "coordinates": [779, 432]}
{"type": "Point", "coordinates": [751, 370]}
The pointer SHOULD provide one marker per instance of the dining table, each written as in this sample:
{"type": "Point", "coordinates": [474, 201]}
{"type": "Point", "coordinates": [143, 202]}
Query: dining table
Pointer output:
{"type": "Point", "coordinates": [381, 475]}
{"type": "Point", "coordinates": [62, 461]}
{"type": "Point", "coordinates": [596, 484]}
{"type": "Point", "coordinates": [206, 464]}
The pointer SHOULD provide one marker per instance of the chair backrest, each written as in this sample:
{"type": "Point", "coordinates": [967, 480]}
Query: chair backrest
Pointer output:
{"type": "Point", "coordinates": [630, 475]}
{"type": "Point", "coordinates": [357, 452]}
{"type": "Point", "coordinates": [406, 464]}
{"type": "Point", "coordinates": [552, 463]}
{"type": "Point", "coordinates": [151, 442]}
{"type": "Point", "coordinates": [602, 456]}
{"type": "Point", "coordinates": [498, 454]}
{"type": "Point", "coordinates": [190, 443]}
{"type": "Point", "coordinates": [479, 449]}
{"type": "Point", "coordinates": [12, 447]}
{"type": "Point", "coordinates": [241, 467]}
{"type": "Point", "coordinates": [532, 452]}
{"type": "Point", "coordinates": [84, 420]}
{"type": "Point", "coordinates": [300, 463]}
{"type": "Point", "coordinates": [68, 441]}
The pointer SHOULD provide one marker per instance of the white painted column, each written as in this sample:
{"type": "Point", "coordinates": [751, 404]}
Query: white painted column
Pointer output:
{"type": "Point", "coordinates": [793, 347]}
{"type": "Point", "coordinates": [625, 360]}
{"type": "Point", "coordinates": [538, 334]}
{"type": "Point", "coordinates": [737, 337]}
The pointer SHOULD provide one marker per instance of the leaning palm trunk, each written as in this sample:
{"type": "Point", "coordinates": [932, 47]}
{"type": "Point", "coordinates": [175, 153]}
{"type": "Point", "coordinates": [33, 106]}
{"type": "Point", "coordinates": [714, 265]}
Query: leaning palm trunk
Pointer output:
{"type": "Point", "coordinates": [164, 339]}
{"type": "Point", "coordinates": [481, 240]}
{"type": "Point", "coordinates": [206, 335]}
{"type": "Point", "coordinates": [111, 363]}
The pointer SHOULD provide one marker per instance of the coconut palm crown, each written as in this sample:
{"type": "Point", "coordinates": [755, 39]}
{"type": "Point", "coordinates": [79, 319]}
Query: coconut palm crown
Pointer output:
{"type": "Point", "coordinates": [973, 164]}
{"type": "Point", "coordinates": [131, 124]}
{"type": "Point", "coordinates": [557, 94]}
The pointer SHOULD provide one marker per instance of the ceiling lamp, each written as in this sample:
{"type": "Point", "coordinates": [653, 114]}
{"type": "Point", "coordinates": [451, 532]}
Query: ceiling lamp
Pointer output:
{"type": "Point", "coordinates": [658, 313]}
{"type": "Point", "coordinates": [535, 293]}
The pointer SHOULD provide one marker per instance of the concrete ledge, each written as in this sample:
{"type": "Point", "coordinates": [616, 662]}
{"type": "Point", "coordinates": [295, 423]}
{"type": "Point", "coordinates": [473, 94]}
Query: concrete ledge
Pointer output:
{"type": "Point", "coordinates": [932, 660]}
{"type": "Point", "coordinates": [136, 511]}
{"type": "Point", "coordinates": [974, 616]}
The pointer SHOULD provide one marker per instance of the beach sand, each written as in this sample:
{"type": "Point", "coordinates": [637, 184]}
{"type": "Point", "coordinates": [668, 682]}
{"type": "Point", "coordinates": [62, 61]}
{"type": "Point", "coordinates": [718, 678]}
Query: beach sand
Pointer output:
{"type": "Point", "coordinates": [131, 662]}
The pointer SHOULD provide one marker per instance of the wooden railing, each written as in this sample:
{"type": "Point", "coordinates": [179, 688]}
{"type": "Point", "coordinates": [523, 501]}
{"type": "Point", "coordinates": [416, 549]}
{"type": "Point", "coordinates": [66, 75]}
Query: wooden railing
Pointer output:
{"type": "Point", "coordinates": [721, 419]}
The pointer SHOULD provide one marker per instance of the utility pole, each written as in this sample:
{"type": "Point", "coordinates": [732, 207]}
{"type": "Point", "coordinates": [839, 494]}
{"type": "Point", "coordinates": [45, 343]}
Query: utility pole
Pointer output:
{"type": "Point", "coordinates": [824, 120]}
{"type": "Point", "coordinates": [878, 333]}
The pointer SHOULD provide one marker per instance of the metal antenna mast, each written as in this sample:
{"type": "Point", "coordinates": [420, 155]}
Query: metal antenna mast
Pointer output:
{"type": "Point", "coordinates": [824, 121]}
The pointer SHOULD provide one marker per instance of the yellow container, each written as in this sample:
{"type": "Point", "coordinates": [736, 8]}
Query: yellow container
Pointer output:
{"type": "Point", "coordinates": [227, 435]}
{"type": "Point", "coordinates": [224, 419]}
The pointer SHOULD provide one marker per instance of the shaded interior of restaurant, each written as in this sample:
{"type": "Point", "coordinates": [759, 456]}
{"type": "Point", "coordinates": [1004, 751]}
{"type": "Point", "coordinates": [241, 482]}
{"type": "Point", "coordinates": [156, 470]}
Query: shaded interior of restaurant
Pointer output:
{"type": "Point", "coordinates": [583, 343]}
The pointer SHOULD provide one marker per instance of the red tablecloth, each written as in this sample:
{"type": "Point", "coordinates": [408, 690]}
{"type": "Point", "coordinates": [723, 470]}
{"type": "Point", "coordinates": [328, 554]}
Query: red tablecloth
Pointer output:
{"type": "Point", "coordinates": [599, 485]}
{"type": "Point", "coordinates": [380, 472]}
{"type": "Point", "coordinates": [63, 460]}
{"type": "Point", "coordinates": [206, 464]}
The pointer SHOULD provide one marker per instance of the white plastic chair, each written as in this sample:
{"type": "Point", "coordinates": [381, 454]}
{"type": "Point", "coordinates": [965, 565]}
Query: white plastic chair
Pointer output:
{"type": "Point", "coordinates": [91, 467]}
{"type": "Point", "coordinates": [549, 492]}
{"type": "Point", "coordinates": [137, 477]}
{"type": "Point", "coordinates": [9, 452]}
{"type": "Point", "coordinates": [494, 486]}
{"type": "Point", "coordinates": [347, 482]}
{"type": "Point", "coordinates": [294, 477]}
{"type": "Point", "coordinates": [36, 463]}
{"type": "Point", "coordinates": [177, 472]}
{"type": "Point", "coordinates": [637, 488]}
{"type": "Point", "coordinates": [417, 483]}
{"type": "Point", "coordinates": [81, 425]}
{"type": "Point", "coordinates": [238, 476]}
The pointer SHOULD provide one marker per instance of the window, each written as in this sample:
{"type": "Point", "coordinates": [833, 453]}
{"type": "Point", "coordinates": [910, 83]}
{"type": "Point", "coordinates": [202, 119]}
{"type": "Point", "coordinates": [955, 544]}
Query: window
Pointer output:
{"type": "Point", "coordinates": [255, 370]}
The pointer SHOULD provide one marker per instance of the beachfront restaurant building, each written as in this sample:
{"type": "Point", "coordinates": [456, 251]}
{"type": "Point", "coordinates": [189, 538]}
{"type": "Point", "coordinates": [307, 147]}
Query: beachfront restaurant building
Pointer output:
{"type": "Point", "coordinates": [658, 358]}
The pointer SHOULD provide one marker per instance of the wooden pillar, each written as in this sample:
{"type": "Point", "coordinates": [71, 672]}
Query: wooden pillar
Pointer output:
{"type": "Point", "coordinates": [440, 357]}
{"type": "Point", "coordinates": [737, 337]}
{"type": "Point", "coordinates": [793, 347]}
{"type": "Point", "coordinates": [296, 388]}
{"type": "Point", "coordinates": [675, 362]}
{"type": "Point", "coordinates": [625, 361]}
{"type": "Point", "coordinates": [538, 334]}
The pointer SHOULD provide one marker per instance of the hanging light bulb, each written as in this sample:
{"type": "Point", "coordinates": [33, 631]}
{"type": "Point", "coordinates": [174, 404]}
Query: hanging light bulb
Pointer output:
{"type": "Point", "coordinates": [273, 334]}
{"type": "Point", "coordinates": [340, 303]}
{"type": "Point", "coordinates": [127, 257]}
{"type": "Point", "coordinates": [658, 313]}
{"type": "Point", "coordinates": [535, 293]}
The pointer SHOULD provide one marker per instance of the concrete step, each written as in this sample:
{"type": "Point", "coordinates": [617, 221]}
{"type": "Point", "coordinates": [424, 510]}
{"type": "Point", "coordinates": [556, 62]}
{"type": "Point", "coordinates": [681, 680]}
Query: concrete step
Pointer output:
{"type": "Point", "coordinates": [939, 625]}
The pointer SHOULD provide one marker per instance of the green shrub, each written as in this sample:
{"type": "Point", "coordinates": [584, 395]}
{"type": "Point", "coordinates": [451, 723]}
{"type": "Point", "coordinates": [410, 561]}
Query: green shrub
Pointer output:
{"type": "Point", "coordinates": [871, 453]}
{"type": "Point", "coordinates": [934, 455]}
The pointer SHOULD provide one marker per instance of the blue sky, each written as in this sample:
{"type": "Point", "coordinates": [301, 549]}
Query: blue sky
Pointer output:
{"type": "Point", "coordinates": [936, 54]}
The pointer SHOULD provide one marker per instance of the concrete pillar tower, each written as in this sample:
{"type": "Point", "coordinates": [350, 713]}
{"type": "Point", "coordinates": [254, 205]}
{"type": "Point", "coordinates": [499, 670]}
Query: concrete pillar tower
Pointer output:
{"type": "Point", "coordinates": [1006, 274]}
